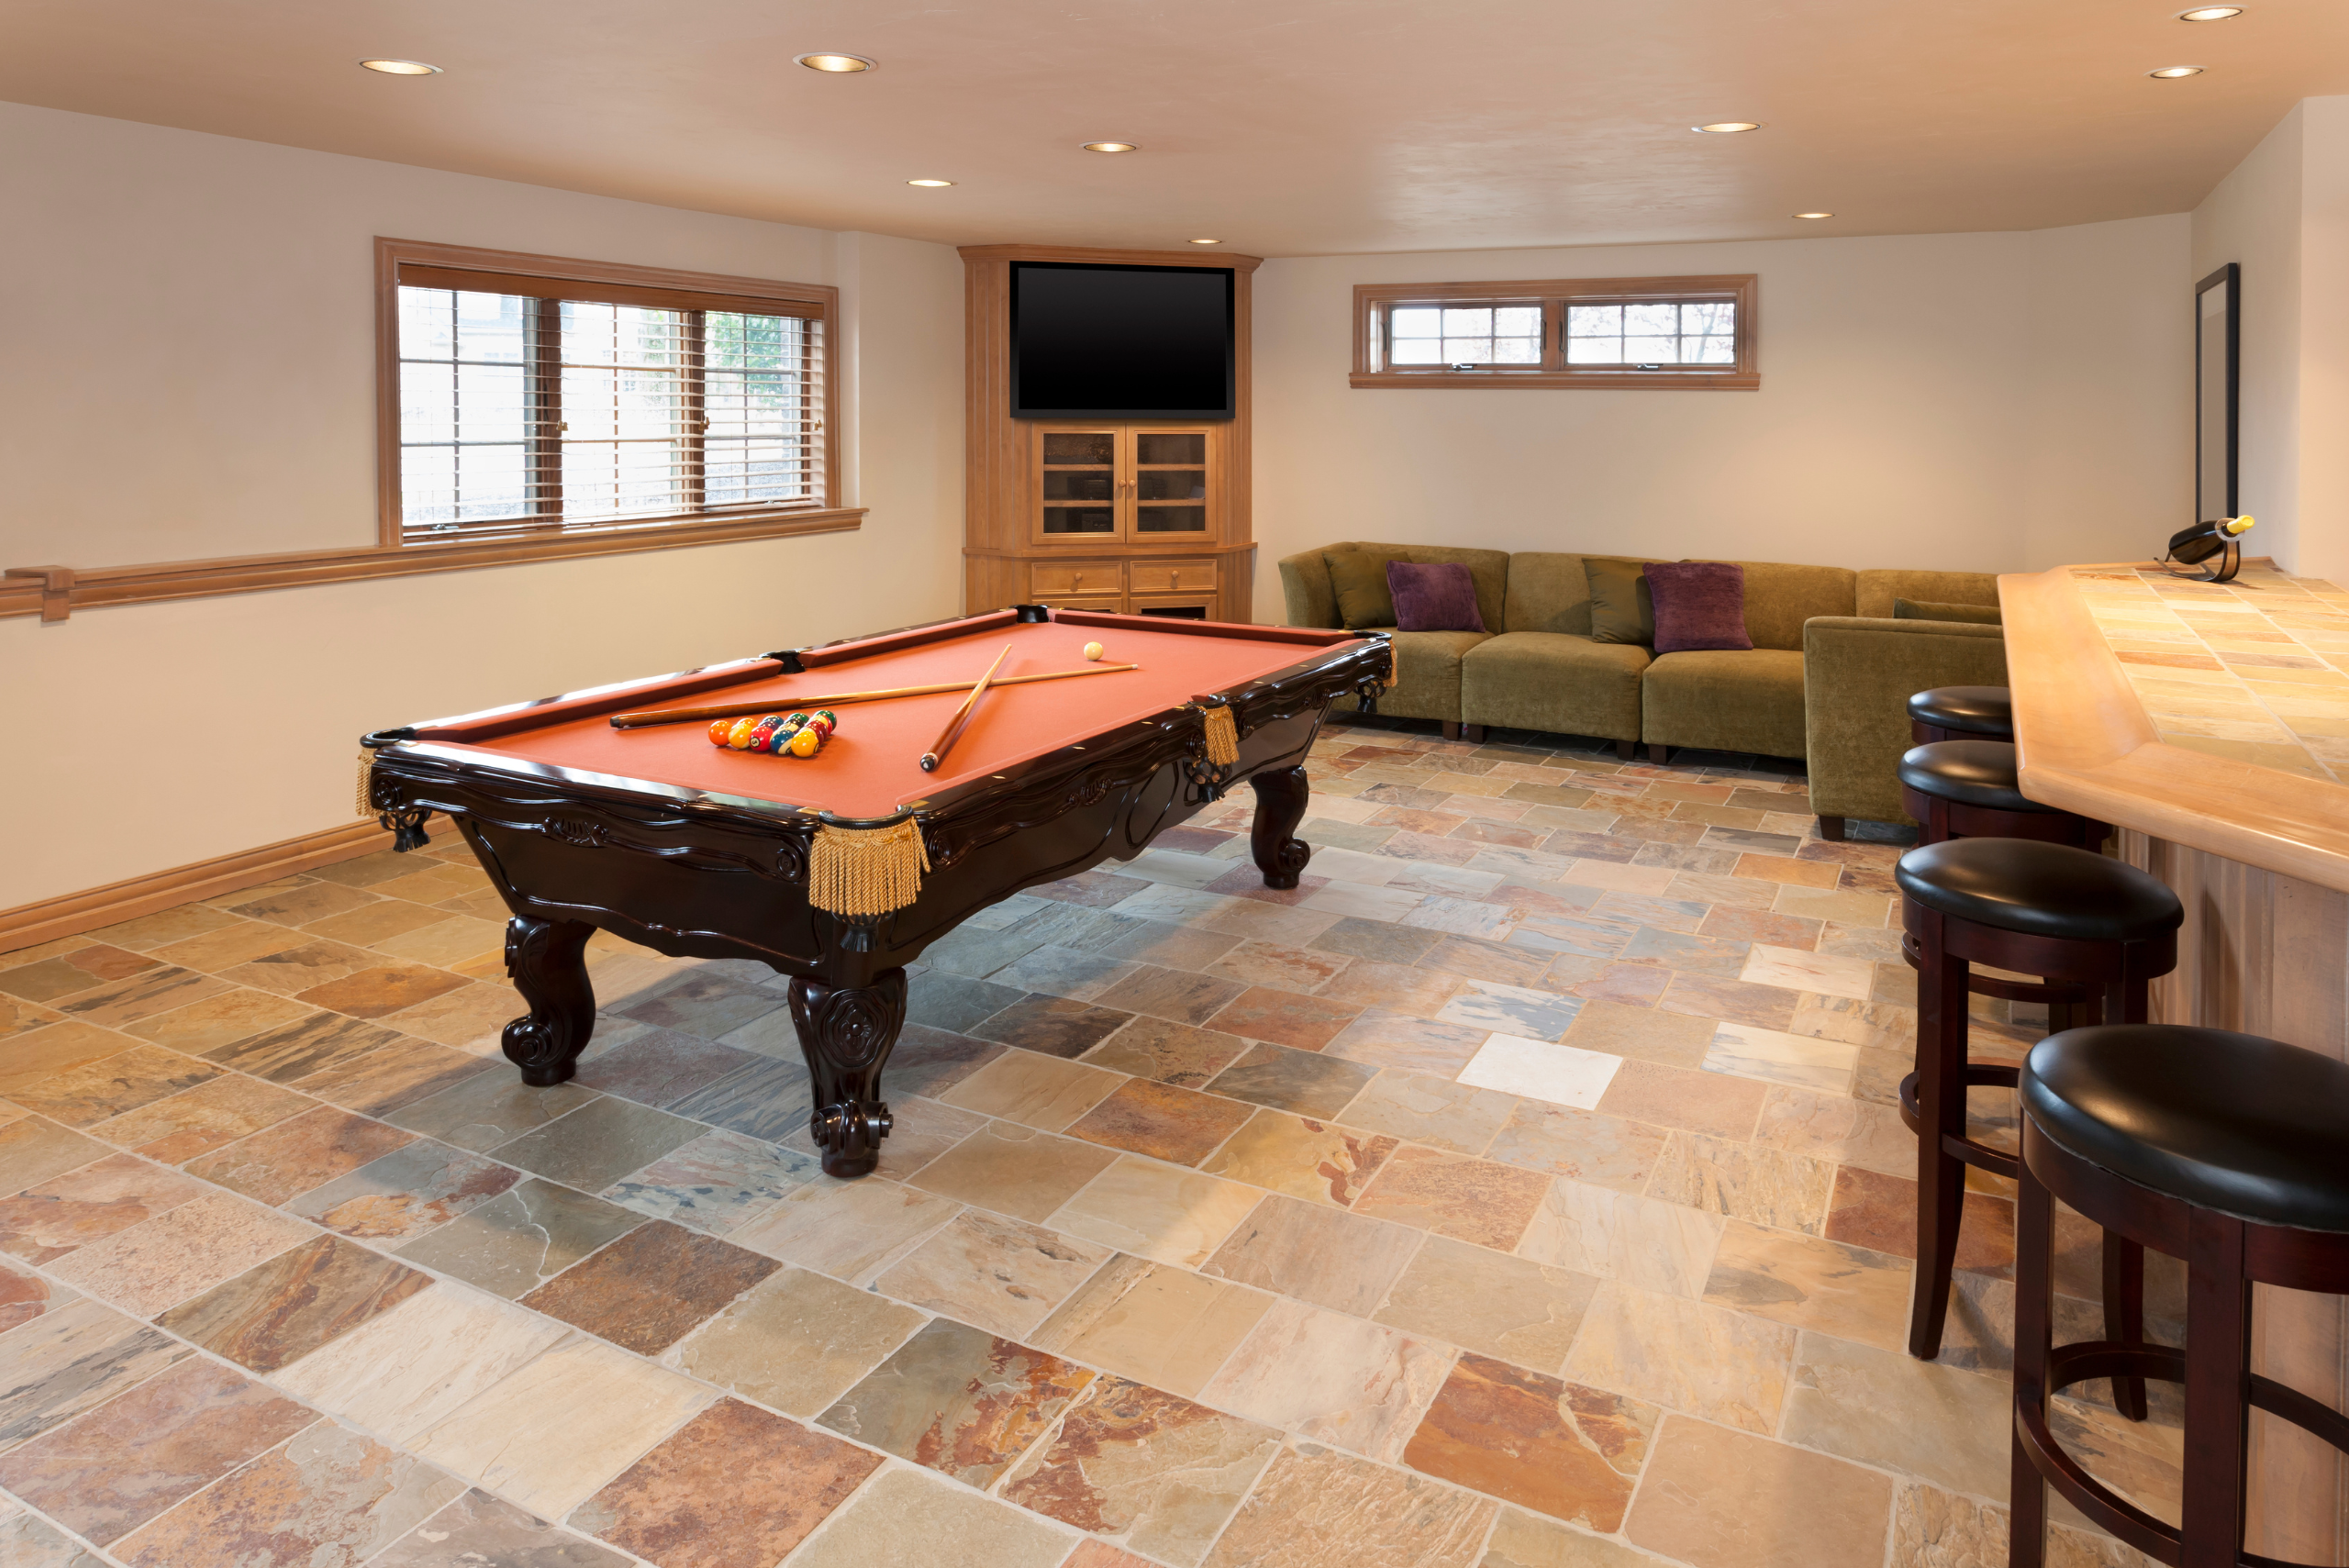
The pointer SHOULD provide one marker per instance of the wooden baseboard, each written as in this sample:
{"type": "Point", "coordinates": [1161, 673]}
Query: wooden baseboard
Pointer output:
{"type": "Point", "coordinates": [28, 925]}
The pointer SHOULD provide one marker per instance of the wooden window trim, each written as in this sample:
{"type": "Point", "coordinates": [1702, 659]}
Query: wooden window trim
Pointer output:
{"type": "Point", "coordinates": [1372, 301]}
{"type": "Point", "coordinates": [610, 282]}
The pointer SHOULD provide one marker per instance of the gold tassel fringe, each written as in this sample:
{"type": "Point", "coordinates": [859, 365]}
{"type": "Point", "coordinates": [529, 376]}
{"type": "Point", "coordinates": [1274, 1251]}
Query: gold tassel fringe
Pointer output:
{"type": "Point", "coordinates": [1223, 736]}
{"type": "Point", "coordinates": [366, 777]}
{"type": "Point", "coordinates": [866, 871]}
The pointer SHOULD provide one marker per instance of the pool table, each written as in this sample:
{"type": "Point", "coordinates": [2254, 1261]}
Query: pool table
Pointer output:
{"type": "Point", "coordinates": [697, 850]}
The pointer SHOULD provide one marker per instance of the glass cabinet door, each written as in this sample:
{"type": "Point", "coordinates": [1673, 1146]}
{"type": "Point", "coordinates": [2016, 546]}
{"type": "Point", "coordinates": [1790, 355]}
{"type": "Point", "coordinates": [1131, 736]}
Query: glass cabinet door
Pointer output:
{"type": "Point", "coordinates": [1170, 482]}
{"type": "Point", "coordinates": [1079, 492]}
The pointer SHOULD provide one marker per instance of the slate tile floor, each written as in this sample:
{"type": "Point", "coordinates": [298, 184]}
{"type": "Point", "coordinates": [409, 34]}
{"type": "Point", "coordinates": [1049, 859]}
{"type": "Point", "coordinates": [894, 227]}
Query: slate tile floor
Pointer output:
{"type": "Point", "coordinates": [1523, 1190]}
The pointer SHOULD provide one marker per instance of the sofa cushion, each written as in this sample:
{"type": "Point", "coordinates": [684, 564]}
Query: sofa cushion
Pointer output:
{"type": "Point", "coordinates": [1427, 670]}
{"type": "Point", "coordinates": [1725, 701]}
{"type": "Point", "coordinates": [1780, 597]}
{"type": "Point", "coordinates": [1928, 609]}
{"type": "Point", "coordinates": [1550, 592]}
{"type": "Point", "coordinates": [1621, 608]}
{"type": "Point", "coordinates": [1437, 595]}
{"type": "Point", "coordinates": [1876, 590]}
{"type": "Point", "coordinates": [1698, 605]}
{"type": "Point", "coordinates": [1358, 577]}
{"type": "Point", "coordinates": [1554, 682]}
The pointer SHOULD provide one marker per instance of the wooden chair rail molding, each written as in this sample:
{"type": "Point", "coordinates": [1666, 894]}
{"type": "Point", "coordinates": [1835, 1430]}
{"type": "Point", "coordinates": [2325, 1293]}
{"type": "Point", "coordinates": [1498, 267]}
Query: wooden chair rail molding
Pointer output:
{"type": "Point", "coordinates": [55, 592]}
{"type": "Point", "coordinates": [2084, 744]}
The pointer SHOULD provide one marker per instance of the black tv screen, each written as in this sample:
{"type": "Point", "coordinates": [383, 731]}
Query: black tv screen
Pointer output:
{"type": "Point", "coordinates": [1120, 342]}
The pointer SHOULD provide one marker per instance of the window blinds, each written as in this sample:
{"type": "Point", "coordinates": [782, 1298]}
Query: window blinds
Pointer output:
{"type": "Point", "coordinates": [530, 405]}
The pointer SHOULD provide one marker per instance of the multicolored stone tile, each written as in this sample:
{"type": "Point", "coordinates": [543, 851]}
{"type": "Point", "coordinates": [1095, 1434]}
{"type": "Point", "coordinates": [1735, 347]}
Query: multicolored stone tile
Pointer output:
{"type": "Point", "coordinates": [1685, 1355]}
{"type": "Point", "coordinates": [1561, 1448]}
{"type": "Point", "coordinates": [1014, 1170]}
{"type": "Point", "coordinates": [522, 1237]}
{"type": "Point", "coordinates": [1003, 1275]}
{"type": "Point", "coordinates": [280, 1310]}
{"type": "Point", "coordinates": [596, 1145]}
{"type": "Point", "coordinates": [69, 1359]}
{"type": "Point", "coordinates": [181, 1126]}
{"type": "Point", "coordinates": [851, 1230]}
{"type": "Point", "coordinates": [46, 1222]}
{"type": "Point", "coordinates": [1162, 1326]}
{"type": "Point", "coordinates": [959, 1400]}
{"type": "Point", "coordinates": [1455, 1195]}
{"type": "Point", "coordinates": [1162, 1121]}
{"type": "Point", "coordinates": [1034, 1090]}
{"type": "Point", "coordinates": [1515, 1308]}
{"type": "Point", "coordinates": [911, 1519]}
{"type": "Point", "coordinates": [403, 1371]}
{"type": "Point", "coordinates": [478, 1528]}
{"type": "Point", "coordinates": [1316, 1508]}
{"type": "Point", "coordinates": [734, 1485]}
{"type": "Point", "coordinates": [24, 1296]}
{"type": "Point", "coordinates": [652, 1288]}
{"type": "Point", "coordinates": [324, 1496]}
{"type": "Point", "coordinates": [180, 1252]}
{"type": "Point", "coordinates": [1144, 1468]}
{"type": "Point", "coordinates": [796, 1341]}
{"type": "Point", "coordinates": [1810, 1283]}
{"type": "Point", "coordinates": [302, 1152]}
{"type": "Point", "coordinates": [1331, 1378]}
{"type": "Point", "coordinates": [1315, 1253]}
{"type": "Point", "coordinates": [136, 1455]}
{"type": "Point", "coordinates": [485, 1111]}
{"type": "Point", "coordinates": [406, 1193]}
{"type": "Point", "coordinates": [1718, 1498]}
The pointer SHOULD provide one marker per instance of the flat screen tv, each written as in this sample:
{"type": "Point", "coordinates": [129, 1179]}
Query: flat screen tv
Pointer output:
{"type": "Point", "coordinates": [1120, 342]}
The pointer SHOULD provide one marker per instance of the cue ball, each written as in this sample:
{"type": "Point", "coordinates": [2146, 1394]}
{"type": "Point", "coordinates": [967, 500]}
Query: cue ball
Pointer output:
{"type": "Point", "coordinates": [1093, 651]}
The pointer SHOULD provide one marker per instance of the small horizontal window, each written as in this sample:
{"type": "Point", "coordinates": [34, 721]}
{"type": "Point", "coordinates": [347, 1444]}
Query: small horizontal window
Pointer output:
{"type": "Point", "coordinates": [1689, 333]}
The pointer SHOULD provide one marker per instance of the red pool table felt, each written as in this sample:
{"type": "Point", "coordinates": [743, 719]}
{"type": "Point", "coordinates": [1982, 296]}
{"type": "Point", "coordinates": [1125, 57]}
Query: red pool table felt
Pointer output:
{"type": "Point", "coordinates": [871, 767]}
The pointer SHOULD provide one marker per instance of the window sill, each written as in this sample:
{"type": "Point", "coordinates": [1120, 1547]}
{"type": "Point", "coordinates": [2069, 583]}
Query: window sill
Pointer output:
{"type": "Point", "coordinates": [53, 592]}
{"type": "Point", "coordinates": [1553, 380]}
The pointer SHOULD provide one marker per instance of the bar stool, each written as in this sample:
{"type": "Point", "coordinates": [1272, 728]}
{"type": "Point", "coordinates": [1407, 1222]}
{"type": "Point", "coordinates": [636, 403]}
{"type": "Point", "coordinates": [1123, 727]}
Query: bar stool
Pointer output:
{"type": "Point", "coordinates": [1968, 789]}
{"type": "Point", "coordinates": [2099, 932]}
{"type": "Point", "coordinates": [1962, 713]}
{"type": "Point", "coordinates": [2222, 1150]}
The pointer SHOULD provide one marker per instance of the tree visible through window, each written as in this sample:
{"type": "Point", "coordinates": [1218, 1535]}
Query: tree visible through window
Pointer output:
{"type": "Point", "coordinates": [523, 409]}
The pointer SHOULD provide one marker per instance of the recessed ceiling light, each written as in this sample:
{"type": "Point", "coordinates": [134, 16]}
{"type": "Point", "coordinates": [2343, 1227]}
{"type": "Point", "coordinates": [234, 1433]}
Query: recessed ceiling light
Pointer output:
{"type": "Point", "coordinates": [1727, 127]}
{"type": "Point", "coordinates": [2210, 13]}
{"type": "Point", "coordinates": [2174, 72]}
{"type": "Point", "coordinates": [931, 184]}
{"type": "Point", "coordinates": [825, 60]}
{"type": "Point", "coordinates": [401, 67]}
{"type": "Point", "coordinates": [1111, 146]}
{"type": "Point", "coordinates": [1814, 215]}
{"type": "Point", "coordinates": [1206, 241]}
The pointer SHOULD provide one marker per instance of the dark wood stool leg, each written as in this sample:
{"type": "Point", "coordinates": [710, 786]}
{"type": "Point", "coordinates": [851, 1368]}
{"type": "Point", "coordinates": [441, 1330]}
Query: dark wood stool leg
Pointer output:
{"type": "Point", "coordinates": [2128, 1002]}
{"type": "Point", "coordinates": [2217, 1392]}
{"type": "Point", "coordinates": [1941, 1112]}
{"type": "Point", "coordinates": [2034, 1337]}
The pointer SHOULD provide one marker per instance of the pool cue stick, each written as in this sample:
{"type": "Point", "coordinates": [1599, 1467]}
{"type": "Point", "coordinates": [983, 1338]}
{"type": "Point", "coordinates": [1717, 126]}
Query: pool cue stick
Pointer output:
{"type": "Point", "coordinates": [953, 731]}
{"type": "Point", "coordinates": [644, 716]}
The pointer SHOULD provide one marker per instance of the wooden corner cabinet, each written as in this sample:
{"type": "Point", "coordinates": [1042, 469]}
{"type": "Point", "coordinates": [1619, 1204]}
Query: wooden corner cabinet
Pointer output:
{"type": "Point", "coordinates": [1143, 517]}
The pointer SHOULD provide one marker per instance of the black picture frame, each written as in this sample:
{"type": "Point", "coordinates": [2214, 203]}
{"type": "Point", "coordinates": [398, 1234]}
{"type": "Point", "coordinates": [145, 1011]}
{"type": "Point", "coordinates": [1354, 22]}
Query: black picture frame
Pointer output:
{"type": "Point", "coordinates": [2218, 394]}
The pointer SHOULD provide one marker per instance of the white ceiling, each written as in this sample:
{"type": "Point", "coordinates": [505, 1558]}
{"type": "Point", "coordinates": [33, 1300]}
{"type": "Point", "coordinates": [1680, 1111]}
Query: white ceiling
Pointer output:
{"type": "Point", "coordinates": [1281, 126]}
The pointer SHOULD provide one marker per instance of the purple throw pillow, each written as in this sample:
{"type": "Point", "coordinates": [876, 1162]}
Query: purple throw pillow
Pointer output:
{"type": "Point", "coordinates": [1439, 596]}
{"type": "Point", "coordinates": [1698, 605]}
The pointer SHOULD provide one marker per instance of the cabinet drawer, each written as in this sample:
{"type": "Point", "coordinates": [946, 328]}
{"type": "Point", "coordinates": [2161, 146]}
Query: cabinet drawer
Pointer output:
{"type": "Point", "coordinates": [1107, 603]}
{"type": "Point", "coordinates": [1194, 576]}
{"type": "Point", "coordinates": [1060, 578]}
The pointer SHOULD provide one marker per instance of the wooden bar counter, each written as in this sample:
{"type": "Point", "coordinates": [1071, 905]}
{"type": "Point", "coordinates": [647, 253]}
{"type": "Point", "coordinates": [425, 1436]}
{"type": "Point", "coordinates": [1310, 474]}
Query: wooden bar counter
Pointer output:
{"type": "Point", "coordinates": [2210, 724]}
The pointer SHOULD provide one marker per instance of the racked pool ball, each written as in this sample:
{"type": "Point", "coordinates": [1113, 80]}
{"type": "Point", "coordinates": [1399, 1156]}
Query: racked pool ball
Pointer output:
{"type": "Point", "coordinates": [722, 731]}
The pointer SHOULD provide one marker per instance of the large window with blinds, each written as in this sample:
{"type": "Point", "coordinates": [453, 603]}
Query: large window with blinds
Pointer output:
{"type": "Point", "coordinates": [1681, 333]}
{"type": "Point", "coordinates": [586, 397]}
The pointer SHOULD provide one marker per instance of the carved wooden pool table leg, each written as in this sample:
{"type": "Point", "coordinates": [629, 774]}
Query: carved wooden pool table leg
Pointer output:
{"type": "Point", "coordinates": [846, 1032]}
{"type": "Point", "coordinates": [1281, 797]}
{"type": "Point", "coordinates": [548, 961]}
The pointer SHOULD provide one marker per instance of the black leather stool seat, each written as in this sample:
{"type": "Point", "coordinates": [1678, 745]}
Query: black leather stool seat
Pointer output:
{"type": "Point", "coordinates": [2041, 890]}
{"type": "Point", "coordinates": [2232, 1122]}
{"type": "Point", "coordinates": [1972, 773]}
{"type": "Point", "coordinates": [1986, 711]}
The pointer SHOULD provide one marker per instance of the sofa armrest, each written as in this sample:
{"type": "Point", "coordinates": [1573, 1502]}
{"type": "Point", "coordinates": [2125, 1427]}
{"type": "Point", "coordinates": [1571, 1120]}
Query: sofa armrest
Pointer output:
{"type": "Point", "coordinates": [1305, 584]}
{"type": "Point", "coordinates": [1858, 674]}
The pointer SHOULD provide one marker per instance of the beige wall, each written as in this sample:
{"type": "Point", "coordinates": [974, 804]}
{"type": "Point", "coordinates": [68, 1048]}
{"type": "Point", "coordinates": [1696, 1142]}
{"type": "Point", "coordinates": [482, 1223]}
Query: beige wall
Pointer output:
{"type": "Point", "coordinates": [1982, 402]}
{"type": "Point", "coordinates": [198, 381]}
{"type": "Point", "coordinates": [2252, 217]}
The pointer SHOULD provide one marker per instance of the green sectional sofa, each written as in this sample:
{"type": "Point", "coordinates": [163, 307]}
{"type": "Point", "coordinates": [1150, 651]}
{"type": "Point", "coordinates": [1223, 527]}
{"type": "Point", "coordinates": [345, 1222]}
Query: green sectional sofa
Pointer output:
{"type": "Point", "coordinates": [1827, 679]}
